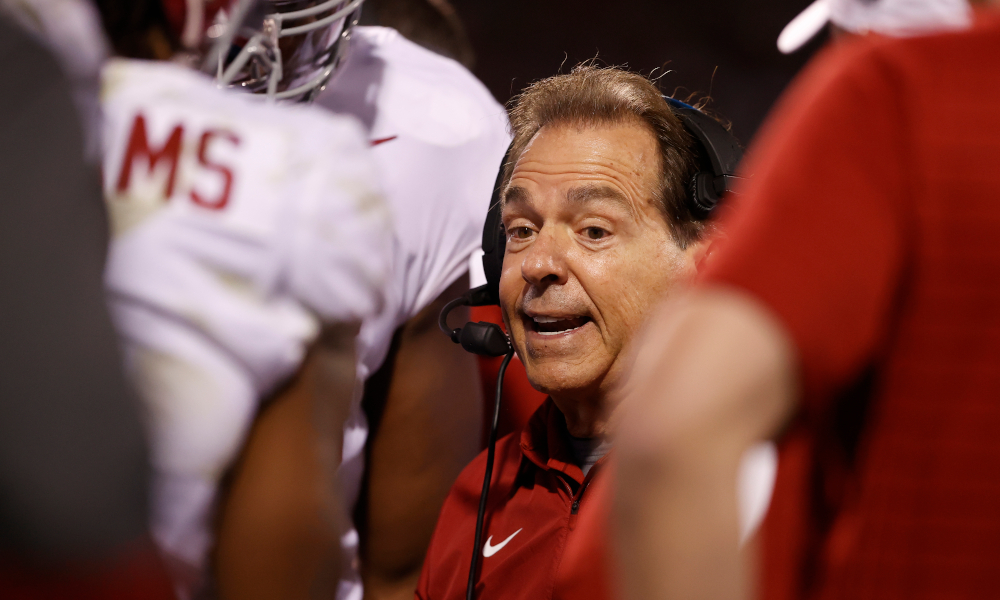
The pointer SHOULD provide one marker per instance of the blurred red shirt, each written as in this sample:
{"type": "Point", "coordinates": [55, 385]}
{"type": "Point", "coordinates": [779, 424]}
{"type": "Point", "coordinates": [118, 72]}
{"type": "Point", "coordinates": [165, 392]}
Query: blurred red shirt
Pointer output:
{"type": "Point", "coordinates": [871, 229]}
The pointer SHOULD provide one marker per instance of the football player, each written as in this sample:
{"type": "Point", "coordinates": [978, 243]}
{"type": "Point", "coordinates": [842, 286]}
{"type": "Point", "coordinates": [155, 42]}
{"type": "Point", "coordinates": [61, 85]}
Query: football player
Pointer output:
{"type": "Point", "coordinates": [437, 137]}
{"type": "Point", "coordinates": [250, 241]}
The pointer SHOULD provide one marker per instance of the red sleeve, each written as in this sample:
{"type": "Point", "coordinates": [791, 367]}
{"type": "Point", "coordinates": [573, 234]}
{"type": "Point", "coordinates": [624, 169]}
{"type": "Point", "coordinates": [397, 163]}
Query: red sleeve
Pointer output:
{"type": "Point", "coordinates": [817, 234]}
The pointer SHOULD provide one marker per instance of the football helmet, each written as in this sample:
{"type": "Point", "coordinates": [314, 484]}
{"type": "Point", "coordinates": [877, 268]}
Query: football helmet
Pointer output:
{"type": "Point", "coordinates": [285, 49]}
{"type": "Point", "coordinates": [291, 51]}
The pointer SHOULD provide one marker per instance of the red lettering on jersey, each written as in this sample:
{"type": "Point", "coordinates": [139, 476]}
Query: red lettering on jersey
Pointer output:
{"type": "Point", "coordinates": [227, 175]}
{"type": "Point", "coordinates": [138, 145]}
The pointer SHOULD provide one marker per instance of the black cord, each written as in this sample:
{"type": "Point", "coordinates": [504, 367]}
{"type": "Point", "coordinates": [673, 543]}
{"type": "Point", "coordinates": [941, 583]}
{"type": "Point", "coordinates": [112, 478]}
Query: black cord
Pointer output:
{"type": "Point", "coordinates": [462, 300]}
{"type": "Point", "coordinates": [491, 450]}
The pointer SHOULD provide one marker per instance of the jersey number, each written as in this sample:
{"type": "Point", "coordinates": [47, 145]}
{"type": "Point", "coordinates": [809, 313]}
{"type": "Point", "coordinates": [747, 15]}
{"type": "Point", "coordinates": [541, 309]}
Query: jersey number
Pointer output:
{"type": "Point", "coordinates": [169, 155]}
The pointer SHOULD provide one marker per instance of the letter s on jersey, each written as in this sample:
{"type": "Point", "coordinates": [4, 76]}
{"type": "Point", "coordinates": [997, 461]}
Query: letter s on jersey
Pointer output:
{"type": "Point", "coordinates": [227, 174]}
{"type": "Point", "coordinates": [169, 154]}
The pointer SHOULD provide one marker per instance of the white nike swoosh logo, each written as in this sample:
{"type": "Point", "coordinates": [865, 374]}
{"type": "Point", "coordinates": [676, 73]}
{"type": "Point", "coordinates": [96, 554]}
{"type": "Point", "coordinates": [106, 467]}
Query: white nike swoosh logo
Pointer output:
{"type": "Point", "coordinates": [489, 550]}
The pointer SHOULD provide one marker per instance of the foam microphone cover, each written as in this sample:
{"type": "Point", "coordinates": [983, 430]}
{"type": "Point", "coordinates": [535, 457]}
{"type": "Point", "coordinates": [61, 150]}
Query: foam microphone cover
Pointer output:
{"type": "Point", "coordinates": [484, 338]}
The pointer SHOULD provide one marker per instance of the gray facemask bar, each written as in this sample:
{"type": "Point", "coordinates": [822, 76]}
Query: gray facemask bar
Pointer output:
{"type": "Point", "coordinates": [264, 46]}
{"type": "Point", "coordinates": [242, 16]}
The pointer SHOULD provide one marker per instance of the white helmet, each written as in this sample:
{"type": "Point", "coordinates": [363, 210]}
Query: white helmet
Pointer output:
{"type": "Point", "coordinates": [289, 51]}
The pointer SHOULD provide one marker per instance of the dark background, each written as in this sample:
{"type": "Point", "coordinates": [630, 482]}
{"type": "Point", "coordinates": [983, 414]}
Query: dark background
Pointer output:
{"type": "Point", "coordinates": [723, 47]}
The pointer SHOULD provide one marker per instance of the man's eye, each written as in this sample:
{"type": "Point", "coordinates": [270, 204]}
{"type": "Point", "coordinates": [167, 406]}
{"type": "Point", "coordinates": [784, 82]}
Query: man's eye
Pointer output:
{"type": "Point", "coordinates": [595, 233]}
{"type": "Point", "coordinates": [520, 233]}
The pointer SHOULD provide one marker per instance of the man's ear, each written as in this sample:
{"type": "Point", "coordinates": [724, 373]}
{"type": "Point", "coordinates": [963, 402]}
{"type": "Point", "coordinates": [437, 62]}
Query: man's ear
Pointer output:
{"type": "Point", "coordinates": [702, 250]}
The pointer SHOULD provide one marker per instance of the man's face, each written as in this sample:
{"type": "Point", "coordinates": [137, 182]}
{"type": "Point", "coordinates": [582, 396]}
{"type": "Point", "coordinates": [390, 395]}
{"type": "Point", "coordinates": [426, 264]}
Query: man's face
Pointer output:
{"type": "Point", "coordinates": [588, 254]}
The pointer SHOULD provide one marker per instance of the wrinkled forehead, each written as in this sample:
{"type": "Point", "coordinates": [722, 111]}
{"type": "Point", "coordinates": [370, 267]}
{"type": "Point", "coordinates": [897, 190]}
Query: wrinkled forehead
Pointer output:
{"type": "Point", "coordinates": [618, 162]}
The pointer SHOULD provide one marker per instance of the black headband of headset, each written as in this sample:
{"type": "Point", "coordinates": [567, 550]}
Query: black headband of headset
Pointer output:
{"type": "Point", "coordinates": [717, 154]}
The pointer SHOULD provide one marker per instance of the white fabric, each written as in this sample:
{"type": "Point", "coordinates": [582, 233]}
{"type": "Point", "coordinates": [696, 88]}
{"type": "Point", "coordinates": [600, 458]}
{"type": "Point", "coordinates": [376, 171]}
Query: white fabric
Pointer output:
{"type": "Point", "coordinates": [217, 306]}
{"type": "Point", "coordinates": [804, 26]}
{"type": "Point", "coordinates": [445, 137]}
{"type": "Point", "coordinates": [477, 273]}
{"type": "Point", "coordinates": [900, 18]}
{"type": "Point", "coordinates": [754, 486]}
{"type": "Point", "coordinates": [897, 18]}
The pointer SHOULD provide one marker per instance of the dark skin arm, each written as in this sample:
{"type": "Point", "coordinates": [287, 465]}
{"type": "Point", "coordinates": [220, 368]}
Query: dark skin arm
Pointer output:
{"type": "Point", "coordinates": [428, 431]}
{"type": "Point", "coordinates": [281, 518]}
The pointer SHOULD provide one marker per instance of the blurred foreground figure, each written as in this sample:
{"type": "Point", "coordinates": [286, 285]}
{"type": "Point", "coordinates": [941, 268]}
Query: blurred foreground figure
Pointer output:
{"type": "Point", "coordinates": [852, 314]}
{"type": "Point", "coordinates": [437, 136]}
{"type": "Point", "coordinates": [73, 470]}
{"type": "Point", "coordinates": [250, 241]}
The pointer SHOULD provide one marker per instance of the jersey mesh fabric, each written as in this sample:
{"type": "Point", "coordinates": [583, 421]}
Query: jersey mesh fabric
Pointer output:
{"type": "Point", "coordinates": [870, 230]}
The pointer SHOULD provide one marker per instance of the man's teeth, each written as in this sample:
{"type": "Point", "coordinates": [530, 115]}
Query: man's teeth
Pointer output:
{"type": "Point", "coordinates": [557, 325]}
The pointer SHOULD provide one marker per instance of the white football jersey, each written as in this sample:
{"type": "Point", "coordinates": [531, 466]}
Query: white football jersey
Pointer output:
{"type": "Point", "coordinates": [238, 229]}
{"type": "Point", "coordinates": [438, 138]}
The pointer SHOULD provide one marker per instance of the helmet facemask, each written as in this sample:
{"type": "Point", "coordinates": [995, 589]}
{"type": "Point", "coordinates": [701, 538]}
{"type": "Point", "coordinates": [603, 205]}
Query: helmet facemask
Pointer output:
{"type": "Point", "coordinates": [294, 50]}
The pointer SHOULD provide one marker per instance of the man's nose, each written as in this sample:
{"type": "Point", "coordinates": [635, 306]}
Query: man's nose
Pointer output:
{"type": "Point", "coordinates": [544, 261]}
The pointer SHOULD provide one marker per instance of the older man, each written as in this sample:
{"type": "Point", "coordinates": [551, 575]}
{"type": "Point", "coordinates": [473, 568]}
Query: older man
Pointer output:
{"type": "Point", "coordinates": [598, 232]}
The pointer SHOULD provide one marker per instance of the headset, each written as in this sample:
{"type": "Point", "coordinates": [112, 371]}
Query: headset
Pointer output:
{"type": "Point", "coordinates": [717, 154]}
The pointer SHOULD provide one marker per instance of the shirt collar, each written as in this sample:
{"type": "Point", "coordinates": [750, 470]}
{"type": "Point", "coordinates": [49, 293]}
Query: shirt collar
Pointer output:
{"type": "Point", "coordinates": [545, 442]}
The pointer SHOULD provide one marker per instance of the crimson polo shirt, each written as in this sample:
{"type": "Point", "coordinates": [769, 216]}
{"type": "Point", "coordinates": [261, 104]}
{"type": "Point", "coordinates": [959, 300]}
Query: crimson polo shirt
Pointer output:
{"type": "Point", "coordinates": [537, 495]}
{"type": "Point", "coordinates": [871, 231]}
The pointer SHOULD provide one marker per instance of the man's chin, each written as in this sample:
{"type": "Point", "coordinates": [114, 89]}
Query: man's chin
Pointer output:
{"type": "Point", "coordinates": [562, 362]}
{"type": "Point", "coordinates": [560, 378]}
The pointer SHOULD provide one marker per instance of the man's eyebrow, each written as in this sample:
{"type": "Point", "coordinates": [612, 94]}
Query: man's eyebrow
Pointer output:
{"type": "Point", "coordinates": [515, 194]}
{"type": "Point", "coordinates": [591, 192]}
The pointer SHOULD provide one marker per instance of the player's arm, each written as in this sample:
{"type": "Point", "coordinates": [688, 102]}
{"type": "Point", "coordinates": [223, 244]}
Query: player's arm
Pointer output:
{"type": "Point", "coordinates": [429, 429]}
{"type": "Point", "coordinates": [717, 376]}
{"type": "Point", "coordinates": [280, 524]}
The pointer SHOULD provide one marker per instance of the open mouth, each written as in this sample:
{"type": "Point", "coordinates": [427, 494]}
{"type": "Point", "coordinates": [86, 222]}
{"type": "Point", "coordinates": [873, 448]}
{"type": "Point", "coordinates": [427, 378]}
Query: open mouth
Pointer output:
{"type": "Point", "coordinates": [557, 325]}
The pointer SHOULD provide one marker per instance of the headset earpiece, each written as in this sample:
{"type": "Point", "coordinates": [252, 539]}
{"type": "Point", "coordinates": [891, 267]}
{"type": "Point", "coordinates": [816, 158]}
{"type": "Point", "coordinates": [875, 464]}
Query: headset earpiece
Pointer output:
{"type": "Point", "coordinates": [717, 154]}
{"type": "Point", "coordinates": [494, 240]}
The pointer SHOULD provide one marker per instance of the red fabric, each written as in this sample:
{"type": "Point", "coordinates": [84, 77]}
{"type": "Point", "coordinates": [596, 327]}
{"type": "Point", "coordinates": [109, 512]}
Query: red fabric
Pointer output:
{"type": "Point", "coordinates": [534, 487]}
{"type": "Point", "coordinates": [520, 400]}
{"type": "Point", "coordinates": [176, 13]}
{"type": "Point", "coordinates": [137, 575]}
{"type": "Point", "coordinates": [871, 228]}
{"type": "Point", "coordinates": [586, 570]}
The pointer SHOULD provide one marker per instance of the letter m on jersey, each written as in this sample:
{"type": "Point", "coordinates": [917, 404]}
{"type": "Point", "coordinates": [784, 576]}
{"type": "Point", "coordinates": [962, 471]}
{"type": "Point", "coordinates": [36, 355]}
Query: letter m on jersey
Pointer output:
{"type": "Point", "coordinates": [138, 147]}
